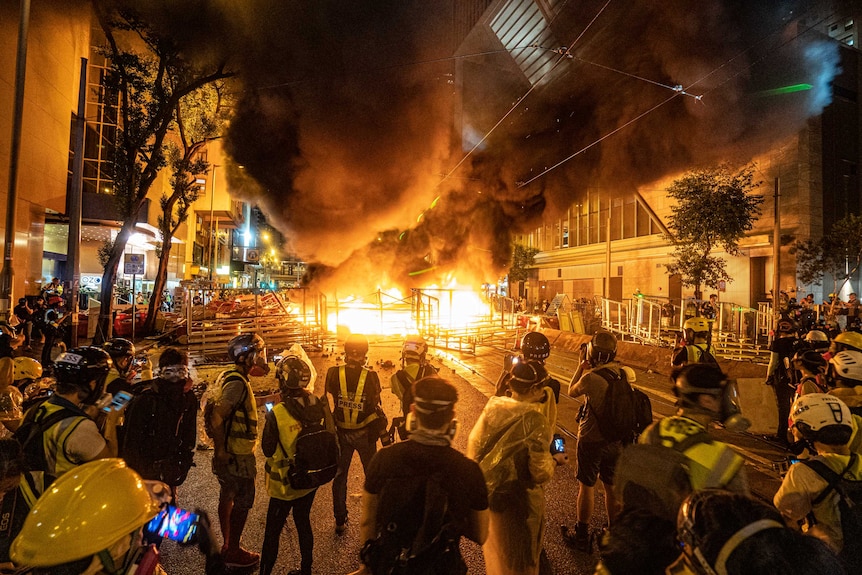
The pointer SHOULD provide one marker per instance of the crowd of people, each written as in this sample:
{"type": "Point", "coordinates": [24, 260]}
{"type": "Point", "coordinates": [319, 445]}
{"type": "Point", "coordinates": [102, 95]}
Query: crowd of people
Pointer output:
{"type": "Point", "coordinates": [112, 430]}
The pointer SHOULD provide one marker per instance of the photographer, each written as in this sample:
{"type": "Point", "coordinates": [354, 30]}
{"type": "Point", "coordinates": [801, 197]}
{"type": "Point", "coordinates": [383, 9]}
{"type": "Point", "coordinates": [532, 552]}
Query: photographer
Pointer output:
{"type": "Point", "coordinates": [125, 368]}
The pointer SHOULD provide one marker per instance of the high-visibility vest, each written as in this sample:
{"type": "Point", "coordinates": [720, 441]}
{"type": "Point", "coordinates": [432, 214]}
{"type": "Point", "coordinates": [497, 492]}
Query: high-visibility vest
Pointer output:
{"type": "Point", "coordinates": [54, 440]}
{"type": "Point", "coordinates": [242, 430]}
{"type": "Point", "coordinates": [714, 464]}
{"type": "Point", "coordinates": [277, 483]}
{"type": "Point", "coordinates": [350, 406]}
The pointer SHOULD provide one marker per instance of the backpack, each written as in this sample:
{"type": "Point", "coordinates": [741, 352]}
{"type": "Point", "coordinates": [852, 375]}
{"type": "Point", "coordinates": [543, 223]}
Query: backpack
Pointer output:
{"type": "Point", "coordinates": [704, 355]}
{"type": "Point", "coordinates": [315, 461]}
{"type": "Point", "coordinates": [417, 537]}
{"type": "Point", "coordinates": [222, 380]}
{"type": "Point", "coordinates": [652, 477]}
{"type": "Point", "coordinates": [849, 507]}
{"type": "Point", "coordinates": [626, 411]}
{"type": "Point", "coordinates": [31, 431]}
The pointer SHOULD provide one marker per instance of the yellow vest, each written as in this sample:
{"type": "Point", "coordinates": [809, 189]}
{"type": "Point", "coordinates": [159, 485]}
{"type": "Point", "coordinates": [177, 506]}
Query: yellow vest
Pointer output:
{"type": "Point", "coordinates": [714, 464]}
{"type": "Point", "coordinates": [242, 433]}
{"type": "Point", "coordinates": [56, 446]}
{"type": "Point", "coordinates": [277, 483]}
{"type": "Point", "coordinates": [352, 404]}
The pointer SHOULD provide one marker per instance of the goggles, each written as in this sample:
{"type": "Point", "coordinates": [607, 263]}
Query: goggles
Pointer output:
{"type": "Point", "coordinates": [174, 372]}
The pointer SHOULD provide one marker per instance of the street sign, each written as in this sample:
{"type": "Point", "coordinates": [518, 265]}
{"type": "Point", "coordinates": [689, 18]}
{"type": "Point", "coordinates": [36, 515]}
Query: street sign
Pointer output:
{"type": "Point", "coordinates": [133, 264]}
{"type": "Point", "coordinates": [252, 255]}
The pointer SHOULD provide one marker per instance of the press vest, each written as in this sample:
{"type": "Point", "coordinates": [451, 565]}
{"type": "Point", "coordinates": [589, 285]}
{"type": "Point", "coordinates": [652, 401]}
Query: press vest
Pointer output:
{"type": "Point", "coordinates": [350, 406]}
{"type": "Point", "coordinates": [277, 483]}
{"type": "Point", "coordinates": [54, 440]}
{"type": "Point", "coordinates": [242, 426]}
{"type": "Point", "coordinates": [714, 464]}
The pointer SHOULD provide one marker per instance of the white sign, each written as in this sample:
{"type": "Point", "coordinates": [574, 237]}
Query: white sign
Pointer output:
{"type": "Point", "coordinates": [133, 264]}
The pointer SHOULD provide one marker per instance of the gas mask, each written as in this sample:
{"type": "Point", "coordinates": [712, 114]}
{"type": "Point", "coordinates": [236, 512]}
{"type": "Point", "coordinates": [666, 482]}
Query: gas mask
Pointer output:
{"type": "Point", "coordinates": [259, 366]}
{"type": "Point", "coordinates": [731, 414]}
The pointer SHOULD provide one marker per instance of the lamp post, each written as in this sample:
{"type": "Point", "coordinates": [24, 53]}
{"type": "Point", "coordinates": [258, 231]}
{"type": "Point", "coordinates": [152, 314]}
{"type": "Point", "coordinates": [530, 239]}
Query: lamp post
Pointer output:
{"type": "Point", "coordinates": [211, 246]}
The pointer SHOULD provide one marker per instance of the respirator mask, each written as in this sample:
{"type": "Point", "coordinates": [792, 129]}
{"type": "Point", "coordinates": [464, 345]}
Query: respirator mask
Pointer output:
{"type": "Point", "coordinates": [259, 366]}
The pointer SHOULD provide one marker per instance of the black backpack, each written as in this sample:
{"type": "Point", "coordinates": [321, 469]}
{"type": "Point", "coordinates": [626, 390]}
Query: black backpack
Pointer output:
{"type": "Point", "coordinates": [626, 411]}
{"type": "Point", "coordinates": [704, 355]}
{"type": "Point", "coordinates": [315, 461]}
{"type": "Point", "coordinates": [849, 507]}
{"type": "Point", "coordinates": [29, 434]}
{"type": "Point", "coordinates": [416, 535]}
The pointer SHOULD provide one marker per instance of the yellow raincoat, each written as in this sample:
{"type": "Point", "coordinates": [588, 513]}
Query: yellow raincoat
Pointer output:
{"type": "Point", "coordinates": [510, 441]}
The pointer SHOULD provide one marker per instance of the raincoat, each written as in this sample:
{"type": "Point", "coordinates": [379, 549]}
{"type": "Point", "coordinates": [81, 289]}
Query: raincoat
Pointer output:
{"type": "Point", "coordinates": [510, 441]}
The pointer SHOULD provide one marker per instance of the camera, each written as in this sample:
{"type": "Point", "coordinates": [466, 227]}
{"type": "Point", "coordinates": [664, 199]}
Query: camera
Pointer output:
{"type": "Point", "coordinates": [174, 523]}
{"type": "Point", "coordinates": [269, 405]}
{"type": "Point", "coordinates": [387, 437]}
{"type": "Point", "coordinates": [558, 445]}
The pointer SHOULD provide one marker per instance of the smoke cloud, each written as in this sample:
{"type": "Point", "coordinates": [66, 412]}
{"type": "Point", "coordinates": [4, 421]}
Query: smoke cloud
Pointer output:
{"type": "Point", "coordinates": [349, 118]}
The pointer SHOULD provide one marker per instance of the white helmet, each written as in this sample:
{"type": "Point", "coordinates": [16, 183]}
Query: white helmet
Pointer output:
{"type": "Point", "coordinates": [848, 365]}
{"type": "Point", "coordinates": [815, 337]}
{"type": "Point", "coordinates": [818, 410]}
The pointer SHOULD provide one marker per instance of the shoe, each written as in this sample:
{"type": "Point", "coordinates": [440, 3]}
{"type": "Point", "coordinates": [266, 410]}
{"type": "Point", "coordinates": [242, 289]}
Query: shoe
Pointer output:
{"type": "Point", "coordinates": [340, 526]}
{"type": "Point", "coordinates": [239, 558]}
{"type": "Point", "coordinates": [580, 540]}
{"type": "Point", "coordinates": [204, 447]}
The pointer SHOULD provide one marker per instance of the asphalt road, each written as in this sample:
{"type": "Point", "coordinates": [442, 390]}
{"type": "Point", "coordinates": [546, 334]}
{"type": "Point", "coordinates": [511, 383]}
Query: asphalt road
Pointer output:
{"type": "Point", "coordinates": [474, 376]}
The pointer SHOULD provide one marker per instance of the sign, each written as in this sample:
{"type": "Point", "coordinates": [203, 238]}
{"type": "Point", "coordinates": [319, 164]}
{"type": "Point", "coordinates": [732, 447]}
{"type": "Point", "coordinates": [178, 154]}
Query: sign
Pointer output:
{"type": "Point", "coordinates": [133, 264]}
{"type": "Point", "coordinates": [722, 285]}
{"type": "Point", "coordinates": [252, 255]}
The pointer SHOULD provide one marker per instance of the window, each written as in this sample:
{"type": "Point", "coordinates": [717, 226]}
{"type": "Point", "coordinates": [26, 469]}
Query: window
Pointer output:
{"type": "Point", "coordinates": [849, 24]}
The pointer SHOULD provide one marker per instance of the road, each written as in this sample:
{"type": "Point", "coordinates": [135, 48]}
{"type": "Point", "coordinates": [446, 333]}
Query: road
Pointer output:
{"type": "Point", "coordinates": [474, 376]}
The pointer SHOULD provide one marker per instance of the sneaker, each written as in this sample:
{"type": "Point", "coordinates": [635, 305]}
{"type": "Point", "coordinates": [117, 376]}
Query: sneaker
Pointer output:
{"type": "Point", "coordinates": [580, 540]}
{"type": "Point", "coordinates": [239, 558]}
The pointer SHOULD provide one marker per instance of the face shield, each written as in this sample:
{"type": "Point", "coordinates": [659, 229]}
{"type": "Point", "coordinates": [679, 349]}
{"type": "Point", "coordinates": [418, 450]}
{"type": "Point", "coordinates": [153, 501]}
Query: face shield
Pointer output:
{"type": "Point", "coordinates": [731, 413]}
{"type": "Point", "coordinates": [259, 366]}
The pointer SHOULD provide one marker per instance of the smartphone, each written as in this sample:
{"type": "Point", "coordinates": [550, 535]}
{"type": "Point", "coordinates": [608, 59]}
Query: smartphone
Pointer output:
{"type": "Point", "coordinates": [175, 524]}
{"type": "Point", "coordinates": [118, 402]}
{"type": "Point", "coordinates": [269, 405]}
{"type": "Point", "coordinates": [558, 445]}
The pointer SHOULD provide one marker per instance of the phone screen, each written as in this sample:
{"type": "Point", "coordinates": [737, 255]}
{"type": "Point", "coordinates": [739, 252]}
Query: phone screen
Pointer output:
{"type": "Point", "coordinates": [269, 405]}
{"type": "Point", "coordinates": [119, 400]}
{"type": "Point", "coordinates": [558, 445]}
{"type": "Point", "coordinates": [175, 524]}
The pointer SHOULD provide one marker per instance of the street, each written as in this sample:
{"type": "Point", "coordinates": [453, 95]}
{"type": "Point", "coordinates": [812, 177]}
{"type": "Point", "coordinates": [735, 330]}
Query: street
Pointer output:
{"type": "Point", "coordinates": [474, 376]}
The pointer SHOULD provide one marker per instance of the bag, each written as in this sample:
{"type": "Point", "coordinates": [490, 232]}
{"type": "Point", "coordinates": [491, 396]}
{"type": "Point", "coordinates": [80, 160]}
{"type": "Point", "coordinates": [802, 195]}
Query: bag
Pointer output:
{"type": "Point", "coordinates": [29, 434]}
{"type": "Point", "coordinates": [222, 380]}
{"type": "Point", "coordinates": [643, 411]}
{"type": "Point", "coordinates": [705, 356]}
{"type": "Point", "coordinates": [849, 507]}
{"type": "Point", "coordinates": [622, 415]}
{"type": "Point", "coordinates": [315, 462]}
{"type": "Point", "coordinates": [418, 536]}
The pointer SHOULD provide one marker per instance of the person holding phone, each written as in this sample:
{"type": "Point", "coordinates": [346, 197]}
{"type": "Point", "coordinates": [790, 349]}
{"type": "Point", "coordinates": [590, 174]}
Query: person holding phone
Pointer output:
{"type": "Point", "coordinates": [161, 423]}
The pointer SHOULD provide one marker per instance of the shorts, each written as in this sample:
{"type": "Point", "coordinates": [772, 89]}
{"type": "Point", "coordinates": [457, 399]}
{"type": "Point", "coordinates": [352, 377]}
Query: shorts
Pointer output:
{"type": "Point", "coordinates": [236, 480]}
{"type": "Point", "coordinates": [597, 460]}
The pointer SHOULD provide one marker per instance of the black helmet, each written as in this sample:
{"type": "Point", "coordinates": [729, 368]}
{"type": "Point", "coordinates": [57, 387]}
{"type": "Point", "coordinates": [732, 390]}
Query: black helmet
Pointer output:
{"type": "Point", "coordinates": [243, 344]}
{"type": "Point", "coordinates": [527, 374]}
{"type": "Point", "coordinates": [535, 346]}
{"type": "Point", "coordinates": [119, 347]}
{"type": "Point", "coordinates": [602, 348]}
{"type": "Point", "coordinates": [293, 373]}
{"type": "Point", "coordinates": [81, 365]}
{"type": "Point", "coordinates": [356, 345]}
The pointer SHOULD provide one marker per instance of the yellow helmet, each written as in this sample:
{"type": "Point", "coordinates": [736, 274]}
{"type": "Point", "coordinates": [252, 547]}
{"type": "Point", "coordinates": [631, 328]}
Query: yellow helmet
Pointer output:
{"type": "Point", "coordinates": [86, 510]}
{"type": "Point", "coordinates": [696, 324]}
{"type": "Point", "coordinates": [849, 339]}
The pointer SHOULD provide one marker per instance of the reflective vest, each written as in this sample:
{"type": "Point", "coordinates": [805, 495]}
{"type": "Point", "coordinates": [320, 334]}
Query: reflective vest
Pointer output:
{"type": "Point", "coordinates": [54, 440]}
{"type": "Point", "coordinates": [714, 464]}
{"type": "Point", "coordinates": [242, 425]}
{"type": "Point", "coordinates": [277, 464]}
{"type": "Point", "coordinates": [352, 405]}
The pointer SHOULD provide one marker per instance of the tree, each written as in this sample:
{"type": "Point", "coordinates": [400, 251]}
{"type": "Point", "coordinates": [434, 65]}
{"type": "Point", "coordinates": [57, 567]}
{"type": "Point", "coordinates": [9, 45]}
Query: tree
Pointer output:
{"type": "Point", "coordinates": [199, 117]}
{"type": "Point", "coordinates": [715, 208]}
{"type": "Point", "coordinates": [150, 77]}
{"type": "Point", "coordinates": [522, 259]}
{"type": "Point", "coordinates": [838, 253]}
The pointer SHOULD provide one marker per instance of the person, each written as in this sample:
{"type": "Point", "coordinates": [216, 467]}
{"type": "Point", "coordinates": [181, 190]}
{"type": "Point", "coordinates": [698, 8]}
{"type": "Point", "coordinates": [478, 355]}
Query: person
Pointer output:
{"type": "Point", "coordinates": [161, 424]}
{"type": "Point", "coordinates": [37, 319]}
{"type": "Point", "coordinates": [359, 417]}
{"type": "Point", "coordinates": [780, 375]}
{"type": "Point", "coordinates": [74, 438]}
{"type": "Point", "coordinates": [280, 431]}
{"type": "Point", "coordinates": [25, 371]}
{"type": "Point", "coordinates": [697, 347]}
{"type": "Point", "coordinates": [510, 443]}
{"type": "Point", "coordinates": [816, 340]}
{"type": "Point", "coordinates": [824, 422]}
{"type": "Point", "coordinates": [19, 490]}
{"type": "Point", "coordinates": [414, 365]}
{"type": "Point", "coordinates": [234, 421]}
{"type": "Point", "coordinates": [733, 534]}
{"type": "Point", "coordinates": [844, 375]}
{"type": "Point", "coordinates": [52, 289]}
{"type": "Point", "coordinates": [534, 346]}
{"type": "Point", "coordinates": [597, 456]}
{"type": "Point", "coordinates": [625, 548]}
{"type": "Point", "coordinates": [11, 398]}
{"type": "Point", "coordinates": [709, 308]}
{"type": "Point", "coordinates": [811, 367]}
{"type": "Point", "coordinates": [25, 321]}
{"type": "Point", "coordinates": [846, 341]}
{"type": "Point", "coordinates": [703, 395]}
{"type": "Point", "coordinates": [124, 369]}
{"type": "Point", "coordinates": [853, 308]}
{"type": "Point", "coordinates": [52, 326]}
{"type": "Point", "coordinates": [427, 455]}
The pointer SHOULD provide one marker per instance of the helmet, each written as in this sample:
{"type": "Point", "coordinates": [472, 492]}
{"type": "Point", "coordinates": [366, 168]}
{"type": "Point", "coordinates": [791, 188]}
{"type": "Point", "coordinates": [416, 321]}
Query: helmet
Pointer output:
{"type": "Point", "coordinates": [849, 340]}
{"type": "Point", "coordinates": [81, 365]}
{"type": "Point", "coordinates": [26, 368]}
{"type": "Point", "coordinates": [811, 360]}
{"type": "Point", "coordinates": [55, 300]}
{"type": "Point", "coordinates": [696, 324]}
{"type": "Point", "coordinates": [847, 365]}
{"type": "Point", "coordinates": [87, 510]}
{"type": "Point", "coordinates": [356, 345]}
{"type": "Point", "coordinates": [293, 373]}
{"type": "Point", "coordinates": [602, 348]}
{"type": "Point", "coordinates": [535, 346]}
{"type": "Point", "coordinates": [119, 347]}
{"type": "Point", "coordinates": [816, 339]}
{"type": "Point", "coordinates": [244, 344]}
{"type": "Point", "coordinates": [819, 410]}
{"type": "Point", "coordinates": [414, 347]}
{"type": "Point", "coordinates": [785, 326]}
{"type": "Point", "coordinates": [527, 374]}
